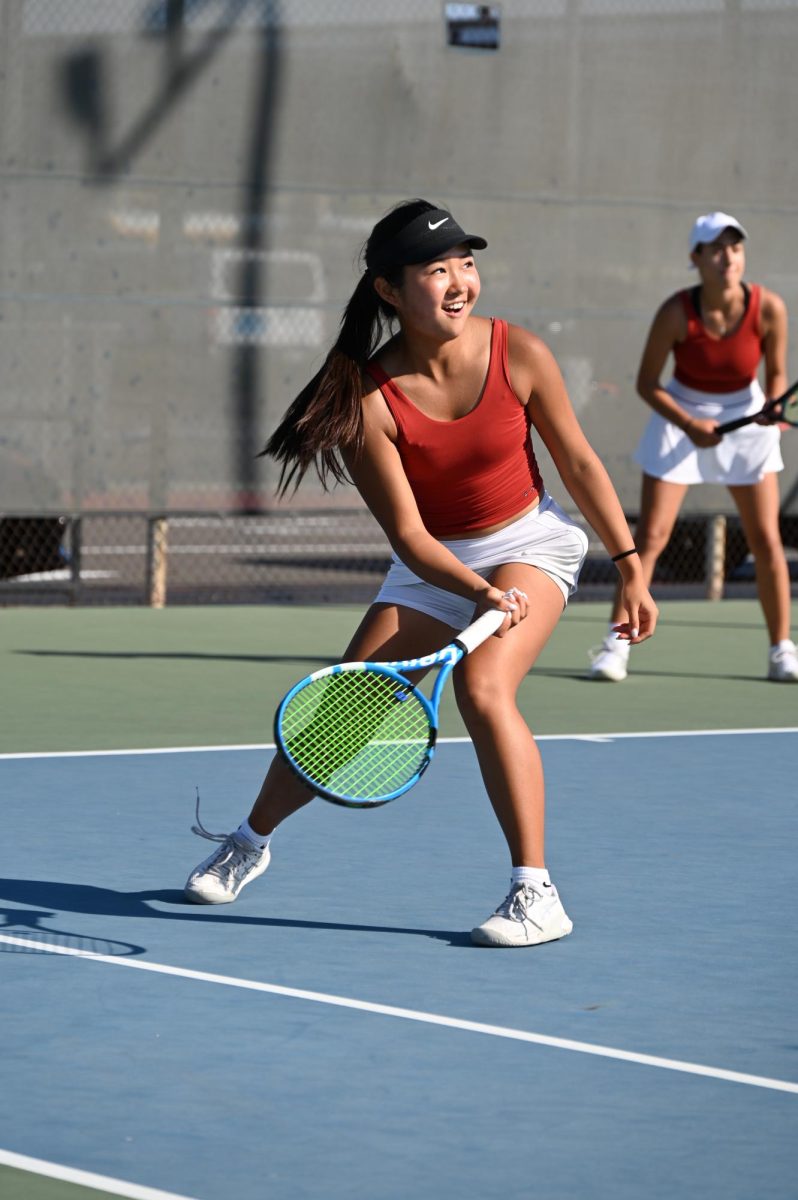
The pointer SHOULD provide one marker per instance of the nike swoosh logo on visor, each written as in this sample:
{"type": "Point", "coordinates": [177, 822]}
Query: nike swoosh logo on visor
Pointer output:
{"type": "Point", "coordinates": [437, 224]}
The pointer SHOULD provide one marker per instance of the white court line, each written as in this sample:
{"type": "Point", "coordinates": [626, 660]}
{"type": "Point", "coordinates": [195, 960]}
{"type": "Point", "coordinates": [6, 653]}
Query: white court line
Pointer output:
{"type": "Point", "coordinates": [409, 1014]}
{"type": "Point", "coordinates": [543, 737]}
{"type": "Point", "coordinates": [102, 1183]}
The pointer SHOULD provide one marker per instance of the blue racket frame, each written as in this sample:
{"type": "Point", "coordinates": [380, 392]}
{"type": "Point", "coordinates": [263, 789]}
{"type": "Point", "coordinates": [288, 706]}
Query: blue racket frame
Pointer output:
{"type": "Point", "coordinates": [446, 659]}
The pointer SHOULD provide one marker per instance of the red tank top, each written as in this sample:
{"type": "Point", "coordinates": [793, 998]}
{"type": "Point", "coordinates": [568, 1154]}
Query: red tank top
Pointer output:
{"type": "Point", "coordinates": [712, 364]}
{"type": "Point", "coordinates": [475, 471]}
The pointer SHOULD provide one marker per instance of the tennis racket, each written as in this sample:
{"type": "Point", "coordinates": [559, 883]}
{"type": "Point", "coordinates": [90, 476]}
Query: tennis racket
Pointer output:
{"type": "Point", "coordinates": [360, 733]}
{"type": "Point", "coordinates": [789, 413]}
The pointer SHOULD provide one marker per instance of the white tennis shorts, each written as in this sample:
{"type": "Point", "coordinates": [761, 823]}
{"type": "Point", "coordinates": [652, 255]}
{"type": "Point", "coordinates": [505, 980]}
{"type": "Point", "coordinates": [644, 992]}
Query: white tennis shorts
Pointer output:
{"type": "Point", "coordinates": [743, 457]}
{"type": "Point", "coordinates": [545, 538]}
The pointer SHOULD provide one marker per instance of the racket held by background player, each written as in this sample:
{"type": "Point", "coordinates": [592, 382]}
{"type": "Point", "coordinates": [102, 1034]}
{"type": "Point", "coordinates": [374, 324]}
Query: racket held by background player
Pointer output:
{"type": "Point", "coordinates": [788, 403]}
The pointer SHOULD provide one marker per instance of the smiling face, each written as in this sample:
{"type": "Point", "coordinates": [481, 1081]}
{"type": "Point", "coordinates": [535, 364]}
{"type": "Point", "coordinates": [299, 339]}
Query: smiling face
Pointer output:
{"type": "Point", "coordinates": [435, 297]}
{"type": "Point", "coordinates": [722, 261]}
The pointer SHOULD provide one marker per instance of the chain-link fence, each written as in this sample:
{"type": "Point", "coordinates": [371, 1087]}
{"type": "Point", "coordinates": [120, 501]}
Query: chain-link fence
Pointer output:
{"type": "Point", "coordinates": [185, 188]}
{"type": "Point", "coordinates": [308, 557]}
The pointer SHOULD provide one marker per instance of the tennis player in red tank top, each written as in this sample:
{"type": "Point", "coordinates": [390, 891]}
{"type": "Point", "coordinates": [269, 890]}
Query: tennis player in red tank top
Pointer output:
{"type": "Point", "coordinates": [718, 333]}
{"type": "Point", "coordinates": [435, 433]}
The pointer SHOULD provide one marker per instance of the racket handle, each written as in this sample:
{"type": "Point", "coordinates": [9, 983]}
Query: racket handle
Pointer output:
{"type": "Point", "coordinates": [481, 630]}
{"type": "Point", "coordinates": [738, 424]}
{"type": "Point", "coordinates": [769, 408]}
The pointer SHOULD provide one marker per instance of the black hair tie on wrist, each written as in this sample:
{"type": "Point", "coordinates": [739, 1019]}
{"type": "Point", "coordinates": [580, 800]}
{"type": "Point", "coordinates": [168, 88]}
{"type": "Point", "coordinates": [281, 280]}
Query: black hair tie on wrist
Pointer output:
{"type": "Point", "coordinates": [623, 554]}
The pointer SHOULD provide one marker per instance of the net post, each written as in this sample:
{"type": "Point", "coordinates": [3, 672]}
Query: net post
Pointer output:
{"type": "Point", "coordinates": [715, 560]}
{"type": "Point", "coordinates": [157, 560]}
{"type": "Point", "coordinates": [75, 556]}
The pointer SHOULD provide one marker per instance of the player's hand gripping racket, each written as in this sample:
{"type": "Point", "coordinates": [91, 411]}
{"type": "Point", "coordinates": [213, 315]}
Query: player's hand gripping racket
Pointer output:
{"type": "Point", "coordinates": [789, 413]}
{"type": "Point", "coordinates": [360, 734]}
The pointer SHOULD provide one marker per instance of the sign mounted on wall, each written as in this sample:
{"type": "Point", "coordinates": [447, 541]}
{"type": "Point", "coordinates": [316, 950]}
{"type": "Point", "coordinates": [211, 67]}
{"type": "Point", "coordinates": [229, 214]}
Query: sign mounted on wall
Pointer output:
{"type": "Point", "coordinates": [473, 26]}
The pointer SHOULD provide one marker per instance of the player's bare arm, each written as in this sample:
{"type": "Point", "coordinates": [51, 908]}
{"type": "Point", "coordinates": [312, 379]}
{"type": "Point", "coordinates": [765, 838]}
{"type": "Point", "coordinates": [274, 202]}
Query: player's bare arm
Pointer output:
{"type": "Point", "coordinates": [773, 316]}
{"type": "Point", "coordinates": [533, 366]}
{"type": "Point", "coordinates": [669, 327]}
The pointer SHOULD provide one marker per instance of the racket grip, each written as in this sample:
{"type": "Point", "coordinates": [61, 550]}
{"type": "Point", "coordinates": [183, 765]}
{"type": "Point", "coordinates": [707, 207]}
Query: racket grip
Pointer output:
{"type": "Point", "coordinates": [767, 411]}
{"type": "Point", "coordinates": [738, 424]}
{"type": "Point", "coordinates": [481, 630]}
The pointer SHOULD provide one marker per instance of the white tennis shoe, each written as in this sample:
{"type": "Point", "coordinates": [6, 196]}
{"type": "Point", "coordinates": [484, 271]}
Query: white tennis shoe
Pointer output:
{"type": "Point", "coordinates": [527, 916]}
{"type": "Point", "coordinates": [610, 660]}
{"type": "Point", "coordinates": [222, 875]}
{"type": "Point", "coordinates": [783, 663]}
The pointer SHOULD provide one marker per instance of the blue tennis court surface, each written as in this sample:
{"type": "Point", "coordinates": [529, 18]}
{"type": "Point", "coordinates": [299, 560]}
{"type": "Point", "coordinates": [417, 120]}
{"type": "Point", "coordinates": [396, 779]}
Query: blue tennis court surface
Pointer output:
{"type": "Point", "coordinates": [333, 1034]}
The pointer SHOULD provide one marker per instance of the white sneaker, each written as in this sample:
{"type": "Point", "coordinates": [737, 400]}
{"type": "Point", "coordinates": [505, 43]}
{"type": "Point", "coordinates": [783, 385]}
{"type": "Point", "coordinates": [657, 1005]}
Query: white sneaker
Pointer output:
{"type": "Point", "coordinates": [783, 663]}
{"type": "Point", "coordinates": [610, 660]}
{"type": "Point", "coordinates": [222, 875]}
{"type": "Point", "coordinates": [528, 916]}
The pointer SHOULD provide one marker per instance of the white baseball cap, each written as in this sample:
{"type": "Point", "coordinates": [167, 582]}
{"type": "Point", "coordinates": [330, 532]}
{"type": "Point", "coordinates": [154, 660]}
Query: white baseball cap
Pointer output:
{"type": "Point", "coordinates": [710, 226]}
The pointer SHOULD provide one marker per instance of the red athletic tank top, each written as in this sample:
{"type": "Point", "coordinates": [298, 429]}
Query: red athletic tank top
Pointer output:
{"type": "Point", "coordinates": [711, 364]}
{"type": "Point", "coordinates": [475, 471]}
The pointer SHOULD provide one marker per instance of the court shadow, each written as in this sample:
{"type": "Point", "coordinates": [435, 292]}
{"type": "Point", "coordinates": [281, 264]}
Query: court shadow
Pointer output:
{"type": "Point", "coordinates": [575, 674]}
{"type": "Point", "coordinates": [32, 927]}
{"type": "Point", "coordinates": [186, 656]}
{"type": "Point", "coordinates": [59, 898]}
{"type": "Point", "coordinates": [581, 676]}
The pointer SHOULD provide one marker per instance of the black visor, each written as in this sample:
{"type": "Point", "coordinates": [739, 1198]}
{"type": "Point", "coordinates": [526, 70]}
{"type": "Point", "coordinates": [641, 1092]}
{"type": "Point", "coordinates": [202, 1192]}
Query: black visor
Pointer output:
{"type": "Point", "coordinates": [426, 237]}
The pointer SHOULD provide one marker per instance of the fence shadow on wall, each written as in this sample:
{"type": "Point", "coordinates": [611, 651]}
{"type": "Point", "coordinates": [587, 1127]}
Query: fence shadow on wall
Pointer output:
{"type": "Point", "coordinates": [85, 87]}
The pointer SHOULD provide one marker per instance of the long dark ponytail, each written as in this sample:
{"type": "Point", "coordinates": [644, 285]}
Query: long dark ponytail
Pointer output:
{"type": "Point", "coordinates": [328, 414]}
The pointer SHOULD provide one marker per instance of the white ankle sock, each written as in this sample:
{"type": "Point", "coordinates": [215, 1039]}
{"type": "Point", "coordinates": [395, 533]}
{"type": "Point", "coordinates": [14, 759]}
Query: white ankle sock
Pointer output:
{"type": "Point", "coordinates": [538, 875]}
{"type": "Point", "coordinates": [246, 831]}
{"type": "Point", "coordinates": [785, 644]}
{"type": "Point", "coordinates": [618, 643]}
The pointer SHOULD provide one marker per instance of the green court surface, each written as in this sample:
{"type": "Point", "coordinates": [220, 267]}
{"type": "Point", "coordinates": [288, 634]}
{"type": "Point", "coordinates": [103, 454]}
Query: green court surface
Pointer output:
{"type": "Point", "coordinates": [95, 679]}
{"type": "Point", "coordinates": [24, 1185]}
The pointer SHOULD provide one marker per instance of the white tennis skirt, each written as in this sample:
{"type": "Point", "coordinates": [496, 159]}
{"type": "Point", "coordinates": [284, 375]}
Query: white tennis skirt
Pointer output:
{"type": "Point", "coordinates": [545, 538]}
{"type": "Point", "coordinates": [743, 457]}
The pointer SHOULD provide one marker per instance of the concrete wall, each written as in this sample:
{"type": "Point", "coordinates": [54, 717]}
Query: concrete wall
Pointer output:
{"type": "Point", "coordinates": [182, 209]}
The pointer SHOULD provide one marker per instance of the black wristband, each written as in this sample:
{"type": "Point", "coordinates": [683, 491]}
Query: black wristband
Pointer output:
{"type": "Point", "coordinates": [623, 554]}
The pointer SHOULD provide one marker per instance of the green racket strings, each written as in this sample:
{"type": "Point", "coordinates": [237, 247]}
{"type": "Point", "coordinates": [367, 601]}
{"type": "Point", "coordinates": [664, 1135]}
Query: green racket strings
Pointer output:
{"type": "Point", "coordinates": [360, 734]}
{"type": "Point", "coordinates": [790, 410]}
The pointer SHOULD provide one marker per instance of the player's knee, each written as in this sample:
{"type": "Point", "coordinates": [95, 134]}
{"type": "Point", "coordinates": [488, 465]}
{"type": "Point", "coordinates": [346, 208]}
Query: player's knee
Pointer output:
{"type": "Point", "coordinates": [480, 699]}
{"type": "Point", "coordinates": [653, 540]}
{"type": "Point", "coordinates": [766, 546]}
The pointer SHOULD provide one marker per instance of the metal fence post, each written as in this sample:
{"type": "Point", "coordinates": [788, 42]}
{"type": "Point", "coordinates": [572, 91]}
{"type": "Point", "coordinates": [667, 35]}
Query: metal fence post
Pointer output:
{"type": "Point", "coordinates": [715, 560]}
{"type": "Point", "coordinates": [75, 556]}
